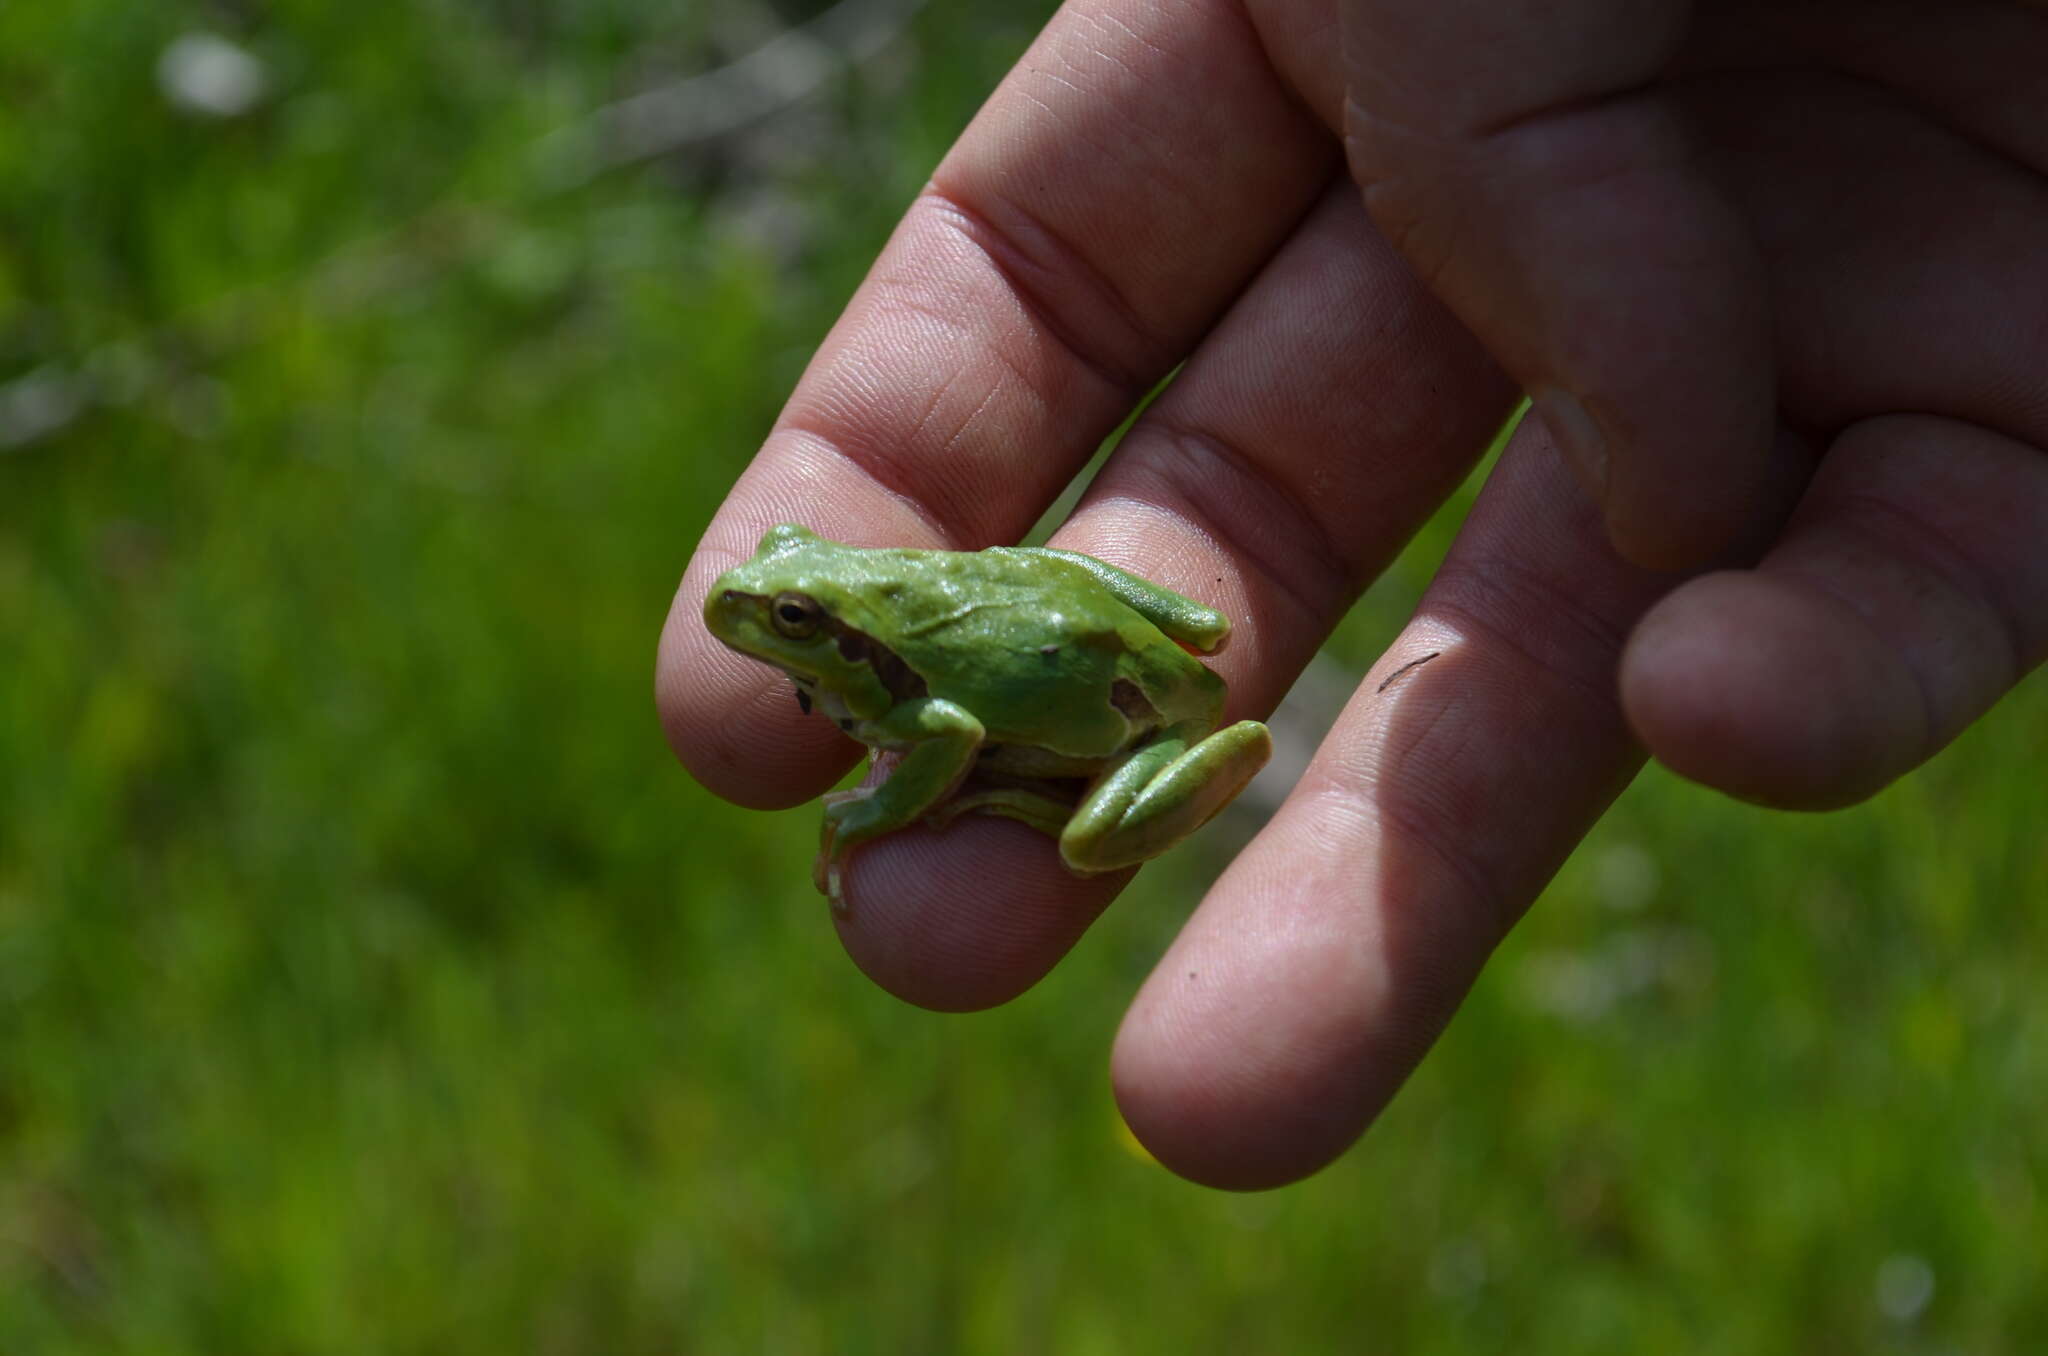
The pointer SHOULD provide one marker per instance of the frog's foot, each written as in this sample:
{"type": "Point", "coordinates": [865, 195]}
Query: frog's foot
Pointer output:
{"type": "Point", "coordinates": [1160, 794]}
{"type": "Point", "coordinates": [828, 877]}
{"type": "Point", "coordinates": [939, 740]}
{"type": "Point", "coordinates": [825, 870]}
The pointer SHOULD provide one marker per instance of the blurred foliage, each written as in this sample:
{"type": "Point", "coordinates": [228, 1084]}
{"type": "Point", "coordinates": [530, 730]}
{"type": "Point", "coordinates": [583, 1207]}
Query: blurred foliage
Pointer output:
{"type": "Point", "coordinates": [371, 979]}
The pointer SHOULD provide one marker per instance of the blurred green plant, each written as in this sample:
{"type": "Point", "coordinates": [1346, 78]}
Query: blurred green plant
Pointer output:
{"type": "Point", "coordinates": [371, 979]}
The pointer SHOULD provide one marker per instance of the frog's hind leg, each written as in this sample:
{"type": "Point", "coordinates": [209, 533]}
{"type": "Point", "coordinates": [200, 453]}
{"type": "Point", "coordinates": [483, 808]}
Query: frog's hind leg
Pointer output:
{"type": "Point", "coordinates": [1162, 793]}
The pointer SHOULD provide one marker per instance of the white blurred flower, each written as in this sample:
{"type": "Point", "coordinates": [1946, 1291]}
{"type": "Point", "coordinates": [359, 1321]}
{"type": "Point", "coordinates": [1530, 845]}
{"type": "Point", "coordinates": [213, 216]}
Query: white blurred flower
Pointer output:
{"type": "Point", "coordinates": [1577, 986]}
{"type": "Point", "coordinates": [205, 73]}
{"type": "Point", "coordinates": [1457, 1268]}
{"type": "Point", "coordinates": [1905, 1284]}
{"type": "Point", "coordinates": [1581, 985]}
{"type": "Point", "coordinates": [37, 404]}
{"type": "Point", "coordinates": [1626, 877]}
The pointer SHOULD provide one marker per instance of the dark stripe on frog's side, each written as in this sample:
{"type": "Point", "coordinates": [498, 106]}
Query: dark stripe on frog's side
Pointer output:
{"type": "Point", "coordinates": [1129, 699]}
{"type": "Point", "coordinates": [857, 647]}
{"type": "Point", "coordinates": [1032, 764]}
{"type": "Point", "coordinates": [984, 777]}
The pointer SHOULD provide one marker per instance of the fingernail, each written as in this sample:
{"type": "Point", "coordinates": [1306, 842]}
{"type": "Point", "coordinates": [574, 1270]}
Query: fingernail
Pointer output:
{"type": "Point", "coordinates": [1576, 435]}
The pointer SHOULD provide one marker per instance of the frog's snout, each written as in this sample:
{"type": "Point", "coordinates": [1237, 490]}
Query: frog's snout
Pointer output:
{"type": "Point", "coordinates": [722, 609]}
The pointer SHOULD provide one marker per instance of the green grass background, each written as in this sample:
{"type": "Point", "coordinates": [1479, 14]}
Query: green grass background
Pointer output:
{"type": "Point", "coordinates": [371, 979]}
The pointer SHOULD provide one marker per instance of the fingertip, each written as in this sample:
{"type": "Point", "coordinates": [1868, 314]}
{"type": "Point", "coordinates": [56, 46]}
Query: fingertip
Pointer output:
{"type": "Point", "coordinates": [1206, 1134]}
{"type": "Point", "coordinates": [1676, 504]}
{"type": "Point", "coordinates": [1772, 692]}
{"type": "Point", "coordinates": [967, 917]}
{"type": "Point", "coordinates": [1673, 436]}
{"type": "Point", "coordinates": [675, 655]}
{"type": "Point", "coordinates": [734, 724]}
{"type": "Point", "coordinates": [1645, 523]}
{"type": "Point", "coordinates": [1254, 1059]}
{"type": "Point", "coordinates": [1678, 519]}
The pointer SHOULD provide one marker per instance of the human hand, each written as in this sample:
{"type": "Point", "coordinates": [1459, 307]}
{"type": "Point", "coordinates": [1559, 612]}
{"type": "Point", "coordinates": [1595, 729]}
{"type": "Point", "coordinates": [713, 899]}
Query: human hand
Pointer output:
{"type": "Point", "coordinates": [1793, 261]}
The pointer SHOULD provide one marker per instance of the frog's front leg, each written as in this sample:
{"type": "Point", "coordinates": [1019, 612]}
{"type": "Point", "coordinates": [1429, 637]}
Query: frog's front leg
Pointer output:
{"type": "Point", "coordinates": [940, 740]}
{"type": "Point", "coordinates": [1162, 793]}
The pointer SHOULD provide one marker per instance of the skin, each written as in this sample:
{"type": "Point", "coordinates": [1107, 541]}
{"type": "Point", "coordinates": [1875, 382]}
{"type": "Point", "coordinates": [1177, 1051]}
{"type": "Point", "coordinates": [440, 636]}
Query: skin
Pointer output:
{"type": "Point", "coordinates": [1778, 276]}
{"type": "Point", "coordinates": [998, 676]}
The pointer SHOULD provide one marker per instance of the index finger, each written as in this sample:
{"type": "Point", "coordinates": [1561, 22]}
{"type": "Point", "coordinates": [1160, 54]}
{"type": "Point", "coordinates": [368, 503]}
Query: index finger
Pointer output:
{"type": "Point", "coordinates": [1116, 192]}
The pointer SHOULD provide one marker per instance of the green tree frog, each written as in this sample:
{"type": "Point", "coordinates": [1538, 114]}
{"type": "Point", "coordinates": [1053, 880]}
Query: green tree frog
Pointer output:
{"type": "Point", "coordinates": [1021, 681]}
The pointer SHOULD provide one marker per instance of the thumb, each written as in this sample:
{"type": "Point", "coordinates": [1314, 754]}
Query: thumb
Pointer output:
{"type": "Point", "coordinates": [1530, 170]}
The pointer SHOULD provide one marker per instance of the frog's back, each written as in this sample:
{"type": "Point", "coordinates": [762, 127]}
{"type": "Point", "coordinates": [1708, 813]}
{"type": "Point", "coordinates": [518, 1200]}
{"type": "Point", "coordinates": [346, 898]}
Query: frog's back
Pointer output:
{"type": "Point", "coordinates": [1031, 644]}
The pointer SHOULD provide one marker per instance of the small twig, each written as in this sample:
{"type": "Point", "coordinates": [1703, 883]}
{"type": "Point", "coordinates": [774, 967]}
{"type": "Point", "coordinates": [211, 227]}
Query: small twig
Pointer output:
{"type": "Point", "coordinates": [782, 71]}
{"type": "Point", "coordinates": [785, 70]}
{"type": "Point", "coordinates": [1388, 681]}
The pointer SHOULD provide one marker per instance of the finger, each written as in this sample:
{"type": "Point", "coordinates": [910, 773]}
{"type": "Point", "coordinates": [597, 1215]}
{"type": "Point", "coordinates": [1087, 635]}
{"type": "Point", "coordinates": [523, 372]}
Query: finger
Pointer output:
{"type": "Point", "coordinates": [1911, 272]}
{"type": "Point", "coordinates": [1332, 952]}
{"type": "Point", "coordinates": [1317, 427]}
{"type": "Point", "coordinates": [1528, 168]}
{"type": "Point", "coordinates": [967, 917]}
{"type": "Point", "coordinates": [1975, 63]}
{"type": "Point", "coordinates": [1334, 411]}
{"type": "Point", "coordinates": [1909, 594]}
{"type": "Point", "coordinates": [1115, 194]}
{"type": "Point", "coordinates": [1908, 262]}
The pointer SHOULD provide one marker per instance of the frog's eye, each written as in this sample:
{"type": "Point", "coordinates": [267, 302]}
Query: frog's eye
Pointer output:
{"type": "Point", "coordinates": [795, 615]}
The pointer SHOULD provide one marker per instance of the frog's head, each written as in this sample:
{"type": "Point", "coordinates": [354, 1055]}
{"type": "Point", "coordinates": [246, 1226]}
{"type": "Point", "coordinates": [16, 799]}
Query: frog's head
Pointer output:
{"type": "Point", "coordinates": [787, 606]}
